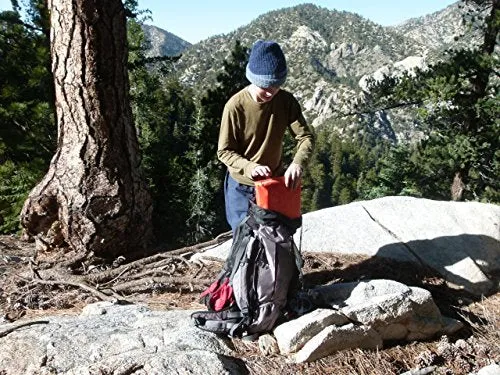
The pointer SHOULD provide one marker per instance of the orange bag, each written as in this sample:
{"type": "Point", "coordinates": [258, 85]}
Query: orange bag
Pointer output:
{"type": "Point", "coordinates": [272, 194]}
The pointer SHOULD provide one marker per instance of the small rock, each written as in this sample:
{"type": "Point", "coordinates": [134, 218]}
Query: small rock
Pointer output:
{"type": "Point", "coordinates": [268, 345]}
{"type": "Point", "coordinates": [462, 344]}
{"type": "Point", "coordinates": [422, 371]}
{"type": "Point", "coordinates": [98, 308]}
{"type": "Point", "coordinates": [292, 335]}
{"type": "Point", "coordinates": [333, 338]}
{"type": "Point", "coordinates": [492, 369]}
{"type": "Point", "coordinates": [450, 325]}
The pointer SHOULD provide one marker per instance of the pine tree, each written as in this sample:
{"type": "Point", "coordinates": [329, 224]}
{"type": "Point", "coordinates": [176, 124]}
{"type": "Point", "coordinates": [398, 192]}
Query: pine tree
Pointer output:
{"type": "Point", "coordinates": [458, 103]}
{"type": "Point", "coordinates": [92, 200]}
{"type": "Point", "coordinates": [27, 125]}
{"type": "Point", "coordinates": [231, 80]}
{"type": "Point", "coordinates": [318, 179]}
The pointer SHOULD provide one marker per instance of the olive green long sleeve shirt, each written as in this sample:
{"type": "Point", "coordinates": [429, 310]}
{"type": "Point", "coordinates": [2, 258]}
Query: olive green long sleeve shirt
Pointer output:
{"type": "Point", "coordinates": [252, 134]}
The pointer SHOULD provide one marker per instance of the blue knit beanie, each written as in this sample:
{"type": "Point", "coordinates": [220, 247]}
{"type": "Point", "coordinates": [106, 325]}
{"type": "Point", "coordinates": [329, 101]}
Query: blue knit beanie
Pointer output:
{"type": "Point", "coordinates": [266, 65]}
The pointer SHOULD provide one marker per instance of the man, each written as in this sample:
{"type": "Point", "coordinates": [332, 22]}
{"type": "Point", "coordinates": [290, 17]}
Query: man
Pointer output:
{"type": "Point", "coordinates": [253, 127]}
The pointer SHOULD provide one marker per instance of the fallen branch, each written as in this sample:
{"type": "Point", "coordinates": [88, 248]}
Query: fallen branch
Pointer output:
{"type": "Point", "coordinates": [212, 259]}
{"type": "Point", "coordinates": [147, 284]}
{"type": "Point", "coordinates": [199, 270]}
{"type": "Point", "coordinates": [155, 272]}
{"type": "Point", "coordinates": [223, 237]}
{"type": "Point", "coordinates": [88, 288]}
{"type": "Point", "coordinates": [125, 270]}
{"type": "Point", "coordinates": [104, 276]}
{"type": "Point", "coordinates": [20, 325]}
{"type": "Point", "coordinates": [77, 259]}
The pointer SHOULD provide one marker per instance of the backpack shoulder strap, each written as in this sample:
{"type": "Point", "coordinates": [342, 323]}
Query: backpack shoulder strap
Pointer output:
{"type": "Point", "coordinates": [240, 242]}
{"type": "Point", "coordinates": [299, 261]}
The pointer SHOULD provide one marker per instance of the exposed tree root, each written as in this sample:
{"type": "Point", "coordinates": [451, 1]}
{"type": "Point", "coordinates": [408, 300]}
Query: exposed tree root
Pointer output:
{"type": "Point", "coordinates": [45, 284]}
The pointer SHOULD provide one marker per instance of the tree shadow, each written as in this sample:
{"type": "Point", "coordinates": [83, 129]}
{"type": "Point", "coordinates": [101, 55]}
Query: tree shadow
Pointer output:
{"type": "Point", "coordinates": [450, 290]}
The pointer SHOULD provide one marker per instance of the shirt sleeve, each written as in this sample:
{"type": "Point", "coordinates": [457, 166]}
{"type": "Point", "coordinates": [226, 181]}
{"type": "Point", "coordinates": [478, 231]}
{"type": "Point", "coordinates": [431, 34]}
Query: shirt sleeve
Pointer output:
{"type": "Point", "coordinates": [304, 135]}
{"type": "Point", "coordinates": [227, 149]}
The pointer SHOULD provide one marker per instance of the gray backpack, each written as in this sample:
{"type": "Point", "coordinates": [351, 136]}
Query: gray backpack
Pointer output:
{"type": "Point", "coordinates": [261, 274]}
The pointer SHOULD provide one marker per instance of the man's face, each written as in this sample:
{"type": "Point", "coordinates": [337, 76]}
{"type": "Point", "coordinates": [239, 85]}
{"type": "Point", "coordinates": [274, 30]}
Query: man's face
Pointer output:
{"type": "Point", "coordinates": [266, 94]}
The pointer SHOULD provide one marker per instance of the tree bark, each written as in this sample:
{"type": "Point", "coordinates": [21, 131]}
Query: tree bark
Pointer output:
{"type": "Point", "coordinates": [92, 199]}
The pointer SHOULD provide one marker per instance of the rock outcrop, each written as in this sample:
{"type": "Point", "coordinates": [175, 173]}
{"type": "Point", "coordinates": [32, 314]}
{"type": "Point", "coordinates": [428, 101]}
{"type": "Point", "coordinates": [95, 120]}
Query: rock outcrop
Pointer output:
{"type": "Point", "coordinates": [110, 338]}
{"type": "Point", "coordinates": [116, 339]}
{"type": "Point", "coordinates": [459, 240]}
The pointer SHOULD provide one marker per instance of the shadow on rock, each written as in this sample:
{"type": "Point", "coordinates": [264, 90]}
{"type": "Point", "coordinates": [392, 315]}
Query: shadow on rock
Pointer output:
{"type": "Point", "coordinates": [446, 267]}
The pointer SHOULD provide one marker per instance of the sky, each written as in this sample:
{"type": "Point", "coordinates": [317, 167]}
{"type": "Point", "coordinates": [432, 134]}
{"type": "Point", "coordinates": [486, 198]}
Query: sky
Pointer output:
{"type": "Point", "coordinates": [195, 20]}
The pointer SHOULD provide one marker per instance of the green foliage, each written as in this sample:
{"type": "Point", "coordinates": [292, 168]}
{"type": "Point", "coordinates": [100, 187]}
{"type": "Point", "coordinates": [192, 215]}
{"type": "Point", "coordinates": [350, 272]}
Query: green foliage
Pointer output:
{"type": "Point", "coordinates": [26, 111]}
{"type": "Point", "coordinates": [342, 169]}
{"type": "Point", "coordinates": [206, 196]}
{"type": "Point", "coordinates": [16, 181]}
{"type": "Point", "coordinates": [459, 107]}
{"type": "Point", "coordinates": [164, 116]}
{"type": "Point", "coordinates": [318, 178]}
{"type": "Point", "coordinates": [163, 113]}
{"type": "Point", "coordinates": [231, 80]}
{"type": "Point", "coordinates": [27, 121]}
{"type": "Point", "coordinates": [394, 168]}
{"type": "Point", "coordinates": [178, 139]}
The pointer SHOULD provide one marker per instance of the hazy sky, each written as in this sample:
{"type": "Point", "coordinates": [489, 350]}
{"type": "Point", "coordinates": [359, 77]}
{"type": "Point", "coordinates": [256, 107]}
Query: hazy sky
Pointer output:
{"type": "Point", "coordinates": [195, 20]}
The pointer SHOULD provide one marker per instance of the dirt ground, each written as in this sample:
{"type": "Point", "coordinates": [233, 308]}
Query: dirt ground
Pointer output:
{"type": "Point", "coordinates": [475, 346]}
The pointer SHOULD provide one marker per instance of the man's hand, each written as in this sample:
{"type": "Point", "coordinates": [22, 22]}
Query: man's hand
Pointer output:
{"type": "Point", "coordinates": [293, 175]}
{"type": "Point", "coordinates": [261, 171]}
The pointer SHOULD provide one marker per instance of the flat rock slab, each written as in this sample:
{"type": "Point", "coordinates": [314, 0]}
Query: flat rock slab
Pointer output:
{"type": "Point", "coordinates": [116, 339]}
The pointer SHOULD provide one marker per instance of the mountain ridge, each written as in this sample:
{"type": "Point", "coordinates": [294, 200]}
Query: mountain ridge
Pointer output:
{"type": "Point", "coordinates": [330, 53]}
{"type": "Point", "coordinates": [163, 43]}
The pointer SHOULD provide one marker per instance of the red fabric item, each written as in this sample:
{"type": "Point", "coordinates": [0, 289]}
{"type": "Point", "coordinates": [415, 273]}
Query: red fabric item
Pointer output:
{"type": "Point", "coordinates": [210, 289]}
{"type": "Point", "coordinates": [221, 295]}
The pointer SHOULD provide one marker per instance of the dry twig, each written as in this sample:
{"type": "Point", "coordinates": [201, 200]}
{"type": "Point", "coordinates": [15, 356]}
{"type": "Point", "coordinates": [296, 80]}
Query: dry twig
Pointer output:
{"type": "Point", "coordinates": [146, 285]}
{"type": "Point", "coordinates": [93, 291]}
{"type": "Point", "coordinates": [20, 325]}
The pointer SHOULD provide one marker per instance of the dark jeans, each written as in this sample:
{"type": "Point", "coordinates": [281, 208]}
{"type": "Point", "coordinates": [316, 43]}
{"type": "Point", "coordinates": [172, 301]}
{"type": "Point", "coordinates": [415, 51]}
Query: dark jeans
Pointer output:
{"type": "Point", "coordinates": [237, 198]}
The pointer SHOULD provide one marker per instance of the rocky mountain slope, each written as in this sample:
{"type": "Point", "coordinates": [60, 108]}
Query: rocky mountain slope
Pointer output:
{"type": "Point", "coordinates": [330, 53]}
{"type": "Point", "coordinates": [163, 43]}
{"type": "Point", "coordinates": [436, 30]}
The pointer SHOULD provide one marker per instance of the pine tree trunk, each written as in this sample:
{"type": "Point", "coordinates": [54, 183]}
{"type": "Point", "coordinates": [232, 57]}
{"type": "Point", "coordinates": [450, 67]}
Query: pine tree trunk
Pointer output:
{"type": "Point", "coordinates": [92, 199]}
